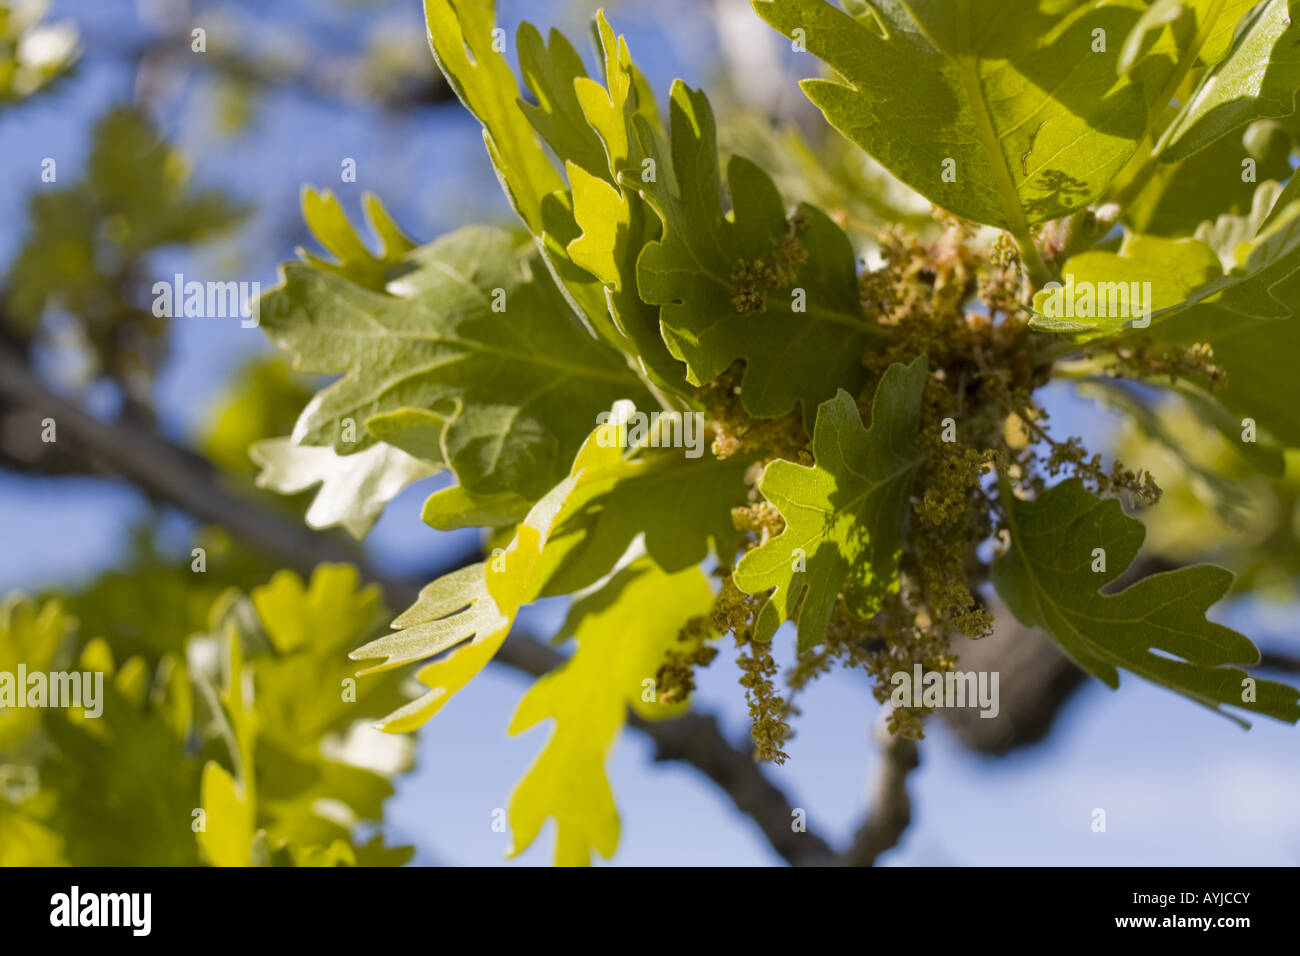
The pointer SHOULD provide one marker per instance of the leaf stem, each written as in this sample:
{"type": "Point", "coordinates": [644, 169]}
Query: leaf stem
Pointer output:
{"type": "Point", "coordinates": [1035, 266]}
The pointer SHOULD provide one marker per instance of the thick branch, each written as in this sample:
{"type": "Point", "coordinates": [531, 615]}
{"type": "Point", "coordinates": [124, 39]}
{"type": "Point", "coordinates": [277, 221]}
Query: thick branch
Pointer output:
{"type": "Point", "coordinates": [187, 481]}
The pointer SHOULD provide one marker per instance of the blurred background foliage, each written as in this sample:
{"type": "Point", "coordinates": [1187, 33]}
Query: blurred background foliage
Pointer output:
{"type": "Point", "coordinates": [229, 694]}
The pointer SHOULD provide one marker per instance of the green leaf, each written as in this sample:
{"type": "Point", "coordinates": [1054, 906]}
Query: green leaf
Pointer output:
{"type": "Point", "coordinates": [457, 611]}
{"type": "Point", "coordinates": [464, 41]}
{"type": "Point", "coordinates": [455, 507]}
{"type": "Point", "coordinates": [1097, 292]}
{"type": "Point", "coordinates": [353, 489]}
{"type": "Point", "coordinates": [1186, 277]}
{"type": "Point", "coordinates": [31, 636]}
{"type": "Point", "coordinates": [227, 836]}
{"type": "Point", "coordinates": [614, 221]}
{"type": "Point", "coordinates": [689, 493]}
{"type": "Point", "coordinates": [823, 168]}
{"type": "Point", "coordinates": [1257, 79]}
{"type": "Point", "coordinates": [470, 612]}
{"type": "Point", "coordinates": [462, 36]}
{"type": "Point", "coordinates": [845, 516]}
{"type": "Point", "coordinates": [550, 69]}
{"type": "Point", "coordinates": [1181, 196]}
{"type": "Point", "coordinates": [1171, 31]}
{"type": "Point", "coordinates": [1011, 91]}
{"type": "Point", "coordinates": [571, 538]}
{"type": "Point", "coordinates": [135, 754]}
{"type": "Point", "coordinates": [467, 334]}
{"type": "Point", "coordinates": [780, 293]}
{"type": "Point", "coordinates": [329, 224]}
{"type": "Point", "coordinates": [624, 632]}
{"type": "Point", "coordinates": [1155, 628]}
{"type": "Point", "coordinates": [314, 741]}
{"type": "Point", "coordinates": [678, 503]}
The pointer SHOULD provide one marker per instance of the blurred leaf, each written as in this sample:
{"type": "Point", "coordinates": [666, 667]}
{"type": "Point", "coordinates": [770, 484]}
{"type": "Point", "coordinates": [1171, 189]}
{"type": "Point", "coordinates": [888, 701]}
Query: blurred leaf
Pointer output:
{"type": "Point", "coordinates": [153, 601]}
{"type": "Point", "coordinates": [826, 171]}
{"type": "Point", "coordinates": [227, 837]}
{"type": "Point", "coordinates": [1183, 195]}
{"type": "Point", "coordinates": [314, 746]}
{"type": "Point", "coordinates": [33, 54]}
{"type": "Point", "coordinates": [134, 755]}
{"type": "Point", "coordinates": [1214, 505]}
{"type": "Point", "coordinates": [87, 243]}
{"type": "Point", "coordinates": [30, 636]}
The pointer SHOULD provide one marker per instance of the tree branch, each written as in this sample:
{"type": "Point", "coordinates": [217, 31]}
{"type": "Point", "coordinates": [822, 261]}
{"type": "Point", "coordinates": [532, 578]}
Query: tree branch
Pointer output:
{"type": "Point", "coordinates": [891, 807]}
{"type": "Point", "coordinates": [173, 474]}
{"type": "Point", "coordinates": [1278, 661]}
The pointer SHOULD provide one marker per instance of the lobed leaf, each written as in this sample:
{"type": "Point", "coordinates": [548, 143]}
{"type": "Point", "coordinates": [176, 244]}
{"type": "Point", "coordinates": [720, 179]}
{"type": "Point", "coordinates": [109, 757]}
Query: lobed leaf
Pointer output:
{"type": "Point", "coordinates": [1050, 578]}
{"type": "Point", "coordinates": [845, 516]}
{"type": "Point", "coordinates": [353, 488]}
{"type": "Point", "coordinates": [623, 633]}
{"type": "Point", "coordinates": [571, 538]}
{"type": "Point", "coordinates": [464, 39]}
{"type": "Point", "coordinates": [779, 292]}
{"type": "Point", "coordinates": [471, 355]}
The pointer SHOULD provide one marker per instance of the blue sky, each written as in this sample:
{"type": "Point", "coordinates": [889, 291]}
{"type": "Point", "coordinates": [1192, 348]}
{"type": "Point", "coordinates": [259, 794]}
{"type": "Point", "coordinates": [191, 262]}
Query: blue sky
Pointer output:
{"type": "Point", "coordinates": [1179, 784]}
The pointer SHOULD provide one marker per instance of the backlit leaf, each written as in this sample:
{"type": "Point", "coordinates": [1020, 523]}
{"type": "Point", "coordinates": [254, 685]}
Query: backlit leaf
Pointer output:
{"type": "Point", "coordinates": [623, 633]}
